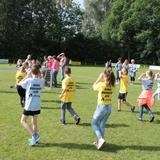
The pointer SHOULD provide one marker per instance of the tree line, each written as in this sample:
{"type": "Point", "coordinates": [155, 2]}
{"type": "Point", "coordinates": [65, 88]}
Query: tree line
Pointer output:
{"type": "Point", "coordinates": [105, 29]}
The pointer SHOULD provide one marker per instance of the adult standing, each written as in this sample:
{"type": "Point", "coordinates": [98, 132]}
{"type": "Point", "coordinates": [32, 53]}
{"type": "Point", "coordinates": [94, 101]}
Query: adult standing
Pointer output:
{"type": "Point", "coordinates": [63, 61]}
{"type": "Point", "coordinates": [55, 69]}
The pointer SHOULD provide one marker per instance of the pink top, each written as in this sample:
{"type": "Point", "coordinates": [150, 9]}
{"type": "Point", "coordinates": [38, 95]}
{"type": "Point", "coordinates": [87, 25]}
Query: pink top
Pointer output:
{"type": "Point", "coordinates": [55, 66]}
{"type": "Point", "coordinates": [63, 61]}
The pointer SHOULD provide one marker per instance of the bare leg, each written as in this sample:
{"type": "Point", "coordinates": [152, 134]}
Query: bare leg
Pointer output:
{"type": "Point", "coordinates": [26, 125]}
{"type": "Point", "coordinates": [34, 124]}
{"type": "Point", "coordinates": [127, 104]}
{"type": "Point", "coordinates": [119, 104]}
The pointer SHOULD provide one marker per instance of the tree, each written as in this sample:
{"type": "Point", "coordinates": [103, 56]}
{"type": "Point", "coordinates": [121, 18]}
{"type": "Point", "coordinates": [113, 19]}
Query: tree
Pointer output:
{"type": "Point", "coordinates": [134, 26]}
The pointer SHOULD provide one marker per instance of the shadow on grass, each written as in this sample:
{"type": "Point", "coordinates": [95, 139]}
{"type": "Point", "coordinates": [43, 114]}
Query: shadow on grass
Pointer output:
{"type": "Point", "coordinates": [51, 101]}
{"type": "Point", "coordinates": [5, 92]}
{"type": "Point", "coordinates": [107, 125]}
{"type": "Point", "coordinates": [80, 87]}
{"type": "Point", "coordinates": [50, 108]}
{"type": "Point", "coordinates": [109, 147]}
{"type": "Point", "coordinates": [84, 83]}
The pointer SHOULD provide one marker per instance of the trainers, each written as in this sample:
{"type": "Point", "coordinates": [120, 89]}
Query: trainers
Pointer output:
{"type": "Point", "coordinates": [77, 120]}
{"type": "Point", "coordinates": [118, 110]}
{"type": "Point", "coordinates": [100, 143]}
{"type": "Point", "coordinates": [151, 119]}
{"type": "Point", "coordinates": [132, 108]}
{"type": "Point", "coordinates": [140, 119]}
{"type": "Point", "coordinates": [62, 122]}
{"type": "Point", "coordinates": [36, 137]}
{"type": "Point", "coordinates": [32, 141]}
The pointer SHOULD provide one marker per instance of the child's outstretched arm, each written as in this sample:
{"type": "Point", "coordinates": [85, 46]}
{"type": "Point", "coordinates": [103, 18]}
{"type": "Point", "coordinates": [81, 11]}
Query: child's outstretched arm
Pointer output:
{"type": "Point", "coordinates": [100, 78]}
{"type": "Point", "coordinates": [141, 76]}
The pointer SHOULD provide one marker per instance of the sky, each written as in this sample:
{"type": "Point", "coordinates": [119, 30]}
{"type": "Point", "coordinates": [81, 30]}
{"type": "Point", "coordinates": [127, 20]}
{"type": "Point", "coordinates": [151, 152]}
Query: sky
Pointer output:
{"type": "Point", "coordinates": [81, 2]}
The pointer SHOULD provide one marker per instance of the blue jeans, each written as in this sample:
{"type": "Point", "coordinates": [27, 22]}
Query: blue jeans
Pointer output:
{"type": "Point", "coordinates": [62, 72]}
{"type": "Point", "coordinates": [54, 78]}
{"type": "Point", "coordinates": [67, 106]}
{"type": "Point", "coordinates": [99, 120]}
{"type": "Point", "coordinates": [147, 109]}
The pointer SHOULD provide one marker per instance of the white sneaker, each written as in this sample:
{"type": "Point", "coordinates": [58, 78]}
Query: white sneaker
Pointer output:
{"type": "Point", "coordinates": [100, 143]}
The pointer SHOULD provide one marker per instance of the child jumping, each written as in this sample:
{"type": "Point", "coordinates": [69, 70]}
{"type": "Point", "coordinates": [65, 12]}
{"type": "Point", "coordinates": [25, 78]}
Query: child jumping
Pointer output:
{"type": "Point", "coordinates": [157, 92]}
{"type": "Point", "coordinates": [145, 99]}
{"type": "Point", "coordinates": [104, 105]}
{"type": "Point", "coordinates": [124, 90]}
{"type": "Point", "coordinates": [67, 96]}
{"type": "Point", "coordinates": [33, 86]}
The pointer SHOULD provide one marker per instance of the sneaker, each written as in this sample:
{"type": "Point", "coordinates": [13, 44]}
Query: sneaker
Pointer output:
{"type": "Point", "coordinates": [132, 108]}
{"type": "Point", "coordinates": [62, 122]}
{"type": "Point", "coordinates": [77, 120]}
{"type": "Point", "coordinates": [100, 143]}
{"type": "Point", "coordinates": [32, 141]}
{"type": "Point", "coordinates": [36, 137]}
{"type": "Point", "coordinates": [118, 110]}
{"type": "Point", "coordinates": [140, 119]}
{"type": "Point", "coordinates": [151, 119]}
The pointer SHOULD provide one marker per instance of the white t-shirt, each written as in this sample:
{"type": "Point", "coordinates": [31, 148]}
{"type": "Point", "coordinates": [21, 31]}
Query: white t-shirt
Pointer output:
{"type": "Point", "coordinates": [33, 88]}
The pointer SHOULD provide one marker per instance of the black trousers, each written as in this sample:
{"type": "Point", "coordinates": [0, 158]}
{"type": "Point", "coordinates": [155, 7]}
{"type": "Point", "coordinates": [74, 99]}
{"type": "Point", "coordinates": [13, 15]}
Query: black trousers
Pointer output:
{"type": "Point", "coordinates": [22, 92]}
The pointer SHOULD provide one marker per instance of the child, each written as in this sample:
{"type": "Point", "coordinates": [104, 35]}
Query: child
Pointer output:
{"type": "Point", "coordinates": [132, 71]}
{"type": "Point", "coordinates": [118, 69]}
{"type": "Point", "coordinates": [20, 75]}
{"type": "Point", "coordinates": [104, 105]}
{"type": "Point", "coordinates": [124, 90]}
{"type": "Point", "coordinates": [145, 99]}
{"type": "Point", "coordinates": [157, 92]}
{"type": "Point", "coordinates": [67, 96]}
{"type": "Point", "coordinates": [33, 86]}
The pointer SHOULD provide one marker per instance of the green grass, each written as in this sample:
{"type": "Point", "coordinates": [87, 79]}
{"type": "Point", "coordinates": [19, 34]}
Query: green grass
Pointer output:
{"type": "Point", "coordinates": [126, 137]}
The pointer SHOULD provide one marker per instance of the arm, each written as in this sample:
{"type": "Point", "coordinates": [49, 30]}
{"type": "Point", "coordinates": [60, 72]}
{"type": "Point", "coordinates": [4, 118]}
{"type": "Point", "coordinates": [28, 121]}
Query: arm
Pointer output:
{"type": "Point", "coordinates": [141, 76]}
{"type": "Point", "coordinates": [62, 93]}
{"type": "Point", "coordinates": [100, 77]}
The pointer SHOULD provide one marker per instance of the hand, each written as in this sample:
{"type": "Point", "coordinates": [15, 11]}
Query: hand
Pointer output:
{"type": "Point", "coordinates": [60, 96]}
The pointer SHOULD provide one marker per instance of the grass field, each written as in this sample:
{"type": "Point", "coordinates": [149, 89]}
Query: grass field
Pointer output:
{"type": "Point", "coordinates": [126, 137]}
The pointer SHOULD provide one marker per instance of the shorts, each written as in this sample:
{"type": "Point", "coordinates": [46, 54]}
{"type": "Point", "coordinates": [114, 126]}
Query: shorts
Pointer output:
{"type": "Point", "coordinates": [31, 113]}
{"type": "Point", "coordinates": [122, 96]}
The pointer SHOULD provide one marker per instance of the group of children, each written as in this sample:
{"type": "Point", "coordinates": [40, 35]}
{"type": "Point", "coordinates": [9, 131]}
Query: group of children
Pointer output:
{"type": "Point", "coordinates": [29, 83]}
{"type": "Point", "coordinates": [33, 82]}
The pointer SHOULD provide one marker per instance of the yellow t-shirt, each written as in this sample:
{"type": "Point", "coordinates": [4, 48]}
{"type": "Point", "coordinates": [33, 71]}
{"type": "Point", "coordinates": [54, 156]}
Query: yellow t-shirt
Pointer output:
{"type": "Point", "coordinates": [69, 85]}
{"type": "Point", "coordinates": [124, 84]}
{"type": "Point", "coordinates": [20, 76]}
{"type": "Point", "coordinates": [104, 93]}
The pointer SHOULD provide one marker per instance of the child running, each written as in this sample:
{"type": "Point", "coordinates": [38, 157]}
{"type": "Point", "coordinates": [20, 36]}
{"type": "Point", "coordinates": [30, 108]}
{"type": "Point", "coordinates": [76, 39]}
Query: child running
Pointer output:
{"type": "Point", "coordinates": [124, 90]}
{"type": "Point", "coordinates": [145, 99]}
{"type": "Point", "coordinates": [33, 86]}
{"type": "Point", "coordinates": [67, 96]}
{"type": "Point", "coordinates": [104, 105]}
{"type": "Point", "coordinates": [20, 75]}
{"type": "Point", "coordinates": [157, 92]}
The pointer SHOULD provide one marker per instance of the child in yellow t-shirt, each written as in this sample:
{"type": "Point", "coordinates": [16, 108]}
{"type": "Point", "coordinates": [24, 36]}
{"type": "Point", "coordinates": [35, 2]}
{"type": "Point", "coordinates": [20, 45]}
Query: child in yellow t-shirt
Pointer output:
{"type": "Point", "coordinates": [67, 96]}
{"type": "Point", "coordinates": [124, 90]}
{"type": "Point", "coordinates": [104, 105]}
{"type": "Point", "coordinates": [20, 75]}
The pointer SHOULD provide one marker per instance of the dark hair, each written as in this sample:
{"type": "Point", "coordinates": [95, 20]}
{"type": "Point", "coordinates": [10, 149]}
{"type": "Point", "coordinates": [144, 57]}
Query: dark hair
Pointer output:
{"type": "Point", "coordinates": [150, 74]}
{"type": "Point", "coordinates": [109, 75]}
{"type": "Point", "coordinates": [35, 70]}
{"type": "Point", "coordinates": [67, 70]}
